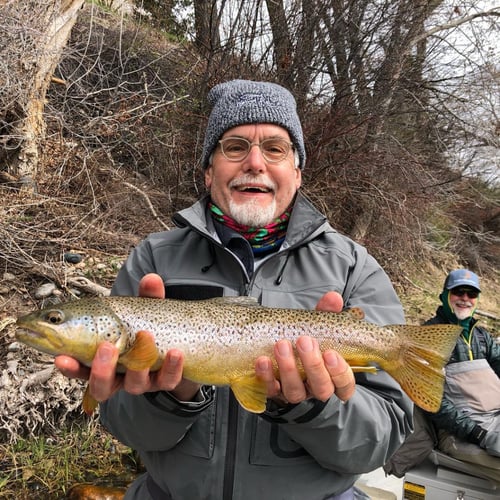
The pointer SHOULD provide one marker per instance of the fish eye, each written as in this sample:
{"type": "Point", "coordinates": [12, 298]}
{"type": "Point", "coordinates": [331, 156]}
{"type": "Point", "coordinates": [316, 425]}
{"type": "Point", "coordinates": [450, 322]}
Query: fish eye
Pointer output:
{"type": "Point", "coordinates": [55, 317]}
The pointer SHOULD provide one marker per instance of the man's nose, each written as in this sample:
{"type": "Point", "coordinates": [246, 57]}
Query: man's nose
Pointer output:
{"type": "Point", "coordinates": [255, 160]}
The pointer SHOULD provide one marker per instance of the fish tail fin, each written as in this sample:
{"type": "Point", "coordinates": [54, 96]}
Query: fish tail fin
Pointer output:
{"type": "Point", "coordinates": [424, 352]}
{"type": "Point", "coordinates": [251, 392]}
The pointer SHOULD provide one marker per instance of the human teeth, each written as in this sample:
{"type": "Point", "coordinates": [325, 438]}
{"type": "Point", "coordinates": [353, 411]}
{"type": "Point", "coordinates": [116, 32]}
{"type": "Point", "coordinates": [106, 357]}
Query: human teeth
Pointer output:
{"type": "Point", "coordinates": [254, 188]}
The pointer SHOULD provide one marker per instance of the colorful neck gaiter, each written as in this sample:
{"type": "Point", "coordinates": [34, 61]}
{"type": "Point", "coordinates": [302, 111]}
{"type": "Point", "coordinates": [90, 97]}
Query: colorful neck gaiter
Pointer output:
{"type": "Point", "coordinates": [263, 239]}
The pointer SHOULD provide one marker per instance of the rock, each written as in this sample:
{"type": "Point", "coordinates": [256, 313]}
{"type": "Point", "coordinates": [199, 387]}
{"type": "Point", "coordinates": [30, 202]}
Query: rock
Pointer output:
{"type": "Point", "coordinates": [14, 347]}
{"type": "Point", "coordinates": [44, 291]}
{"type": "Point", "coordinates": [95, 492]}
{"type": "Point", "coordinates": [72, 258]}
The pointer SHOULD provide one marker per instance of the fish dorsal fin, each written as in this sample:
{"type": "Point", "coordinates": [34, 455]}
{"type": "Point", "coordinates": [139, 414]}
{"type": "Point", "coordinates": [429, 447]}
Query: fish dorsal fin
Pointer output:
{"type": "Point", "coordinates": [355, 312]}
{"type": "Point", "coordinates": [242, 300]}
{"type": "Point", "coordinates": [251, 392]}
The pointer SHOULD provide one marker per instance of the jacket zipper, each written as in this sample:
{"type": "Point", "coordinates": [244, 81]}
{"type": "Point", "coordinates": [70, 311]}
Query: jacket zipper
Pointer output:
{"type": "Point", "coordinates": [230, 458]}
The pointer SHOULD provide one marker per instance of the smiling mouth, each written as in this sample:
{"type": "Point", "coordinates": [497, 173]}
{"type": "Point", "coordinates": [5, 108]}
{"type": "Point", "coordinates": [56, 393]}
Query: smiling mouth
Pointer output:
{"type": "Point", "coordinates": [253, 189]}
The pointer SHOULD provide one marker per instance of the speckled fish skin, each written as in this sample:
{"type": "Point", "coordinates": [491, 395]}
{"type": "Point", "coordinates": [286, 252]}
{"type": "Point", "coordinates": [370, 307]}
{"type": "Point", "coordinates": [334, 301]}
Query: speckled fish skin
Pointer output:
{"type": "Point", "coordinates": [221, 339]}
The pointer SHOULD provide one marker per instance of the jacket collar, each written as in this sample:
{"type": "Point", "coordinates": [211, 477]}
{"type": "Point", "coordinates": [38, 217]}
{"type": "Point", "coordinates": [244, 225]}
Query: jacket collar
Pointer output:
{"type": "Point", "coordinates": [306, 221]}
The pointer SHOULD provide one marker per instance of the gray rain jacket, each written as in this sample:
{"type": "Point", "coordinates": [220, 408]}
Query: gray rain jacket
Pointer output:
{"type": "Point", "coordinates": [213, 449]}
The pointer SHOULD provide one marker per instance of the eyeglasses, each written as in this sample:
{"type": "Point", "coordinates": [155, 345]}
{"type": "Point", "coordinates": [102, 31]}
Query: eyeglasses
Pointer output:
{"type": "Point", "coordinates": [273, 150]}
{"type": "Point", "coordinates": [460, 292]}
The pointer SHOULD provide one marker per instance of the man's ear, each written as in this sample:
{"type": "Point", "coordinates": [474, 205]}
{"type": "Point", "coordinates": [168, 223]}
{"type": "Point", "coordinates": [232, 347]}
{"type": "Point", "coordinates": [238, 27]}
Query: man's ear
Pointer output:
{"type": "Point", "coordinates": [208, 176]}
{"type": "Point", "coordinates": [298, 177]}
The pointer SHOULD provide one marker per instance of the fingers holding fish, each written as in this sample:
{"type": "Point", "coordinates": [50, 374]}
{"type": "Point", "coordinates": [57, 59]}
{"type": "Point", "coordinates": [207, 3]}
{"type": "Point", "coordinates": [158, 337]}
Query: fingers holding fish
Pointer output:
{"type": "Point", "coordinates": [319, 383]}
{"type": "Point", "coordinates": [291, 380]}
{"type": "Point", "coordinates": [103, 380]}
{"type": "Point", "coordinates": [264, 370]}
{"type": "Point", "coordinates": [137, 382]}
{"type": "Point", "coordinates": [169, 377]}
{"type": "Point", "coordinates": [331, 302]}
{"type": "Point", "coordinates": [151, 285]}
{"type": "Point", "coordinates": [341, 375]}
{"type": "Point", "coordinates": [71, 368]}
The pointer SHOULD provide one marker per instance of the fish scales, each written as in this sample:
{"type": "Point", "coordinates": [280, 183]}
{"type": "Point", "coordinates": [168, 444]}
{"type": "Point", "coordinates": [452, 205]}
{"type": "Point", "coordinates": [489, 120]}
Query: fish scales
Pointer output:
{"type": "Point", "coordinates": [240, 334]}
{"type": "Point", "coordinates": [221, 339]}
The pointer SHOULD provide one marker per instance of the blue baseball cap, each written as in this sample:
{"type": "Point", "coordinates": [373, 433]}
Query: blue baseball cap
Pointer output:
{"type": "Point", "coordinates": [462, 277]}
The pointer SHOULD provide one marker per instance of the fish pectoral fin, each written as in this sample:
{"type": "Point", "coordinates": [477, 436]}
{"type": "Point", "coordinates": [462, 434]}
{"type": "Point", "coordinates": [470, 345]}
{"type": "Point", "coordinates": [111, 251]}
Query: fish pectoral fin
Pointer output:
{"type": "Point", "coordinates": [89, 404]}
{"type": "Point", "coordinates": [251, 392]}
{"type": "Point", "coordinates": [143, 353]}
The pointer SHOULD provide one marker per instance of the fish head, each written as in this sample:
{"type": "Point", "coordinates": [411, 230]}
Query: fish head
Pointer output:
{"type": "Point", "coordinates": [73, 329]}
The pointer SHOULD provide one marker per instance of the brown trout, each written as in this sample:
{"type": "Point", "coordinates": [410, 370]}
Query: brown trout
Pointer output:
{"type": "Point", "coordinates": [222, 337]}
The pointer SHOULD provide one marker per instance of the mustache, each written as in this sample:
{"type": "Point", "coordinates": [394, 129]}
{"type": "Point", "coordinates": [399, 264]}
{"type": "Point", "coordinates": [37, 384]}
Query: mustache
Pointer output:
{"type": "Point", "coordinates": [252, 179]}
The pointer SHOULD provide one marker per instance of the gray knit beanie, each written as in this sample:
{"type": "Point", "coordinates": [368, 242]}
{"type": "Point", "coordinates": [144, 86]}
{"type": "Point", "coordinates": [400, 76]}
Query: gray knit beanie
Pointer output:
{"type": "Point", "coordinates": [239, 102]}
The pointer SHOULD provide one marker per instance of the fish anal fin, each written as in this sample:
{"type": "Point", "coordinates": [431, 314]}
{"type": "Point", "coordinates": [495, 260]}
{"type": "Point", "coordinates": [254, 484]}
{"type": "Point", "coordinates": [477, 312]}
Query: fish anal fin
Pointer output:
{"type": "Point", "coordinates": [143, 353]}
{"type": "Point", "coordinates": [89, 404]}
{"type": "Point", "coordinates": [251, 392]}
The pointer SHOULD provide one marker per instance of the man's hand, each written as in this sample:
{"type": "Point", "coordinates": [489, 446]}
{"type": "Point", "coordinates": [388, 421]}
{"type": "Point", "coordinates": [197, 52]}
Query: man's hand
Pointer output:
{"type": "Point", "coordinates": [326, 374]}
{"type": "Point", "coordinates": [102, 376]}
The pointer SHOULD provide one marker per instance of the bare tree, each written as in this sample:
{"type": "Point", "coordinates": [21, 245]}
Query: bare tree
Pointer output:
{"type": "Point", "coordinates": [379, 106]}
{"type": "Point", "coordinates": [383, 113]}
{"type": "Point", "coordinates": [206, 22]}
{"type": "Point", "coordinates": [33, 36]}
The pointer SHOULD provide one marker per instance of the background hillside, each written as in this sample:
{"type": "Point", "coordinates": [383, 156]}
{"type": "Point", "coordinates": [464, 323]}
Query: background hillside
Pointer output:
{"type": "Point", "coordinates": [125, 115]}
{"type": "Point", "coordinates": [125, 119]}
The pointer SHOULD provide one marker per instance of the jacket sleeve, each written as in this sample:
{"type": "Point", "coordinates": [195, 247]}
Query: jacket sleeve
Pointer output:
{"type": "Point", "coordinates": [366, 430]}
{"type": "Point", "coordinates": [160, 410]}
{"type": "Point", "coordinates": [139, 263]}
{"type": "Point", "coordinates": [369, 288]}
{"type": "Point", "coordinates": [453, 420]}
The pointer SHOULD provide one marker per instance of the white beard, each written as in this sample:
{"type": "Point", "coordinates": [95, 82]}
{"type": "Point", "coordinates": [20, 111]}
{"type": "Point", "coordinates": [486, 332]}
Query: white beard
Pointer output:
{"type": "Point", "coordinates": [462, 313]}
{"type": "Point", "coordinates": [252, 214]}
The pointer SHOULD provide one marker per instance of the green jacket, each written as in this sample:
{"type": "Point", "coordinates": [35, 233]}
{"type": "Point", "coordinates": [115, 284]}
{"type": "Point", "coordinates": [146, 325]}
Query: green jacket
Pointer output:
{"type": "Point", "coordinates": [214, 449]}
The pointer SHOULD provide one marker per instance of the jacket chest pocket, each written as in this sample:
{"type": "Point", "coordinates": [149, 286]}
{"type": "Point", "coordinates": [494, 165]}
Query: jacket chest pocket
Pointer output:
{"type": "Point", "coordinates": [271, 446]}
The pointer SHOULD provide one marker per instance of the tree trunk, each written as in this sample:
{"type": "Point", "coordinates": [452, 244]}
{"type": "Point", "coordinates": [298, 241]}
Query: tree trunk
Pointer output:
{"type": "Point", "coordinates": [206, 21]}
{"type": "Point", "coordinates": [35, 36]}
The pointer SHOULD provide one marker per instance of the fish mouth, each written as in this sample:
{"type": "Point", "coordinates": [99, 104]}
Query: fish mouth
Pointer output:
{"type": "Point", "coordinates": [31, 334]}
{"type": "Point", "coordinates": [43, 338]}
